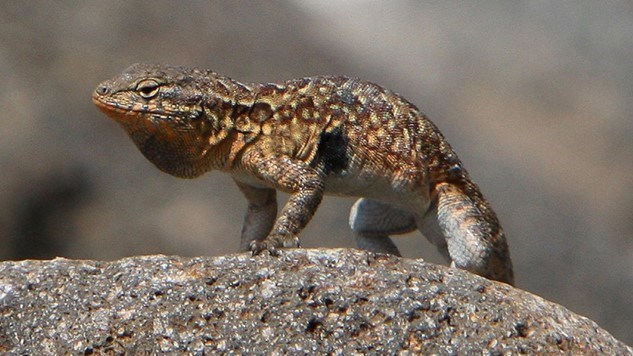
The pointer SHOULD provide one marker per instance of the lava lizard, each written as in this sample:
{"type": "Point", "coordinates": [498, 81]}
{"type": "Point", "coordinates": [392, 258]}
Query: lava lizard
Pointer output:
{"type": "Point", "coordinates": [309, 137]}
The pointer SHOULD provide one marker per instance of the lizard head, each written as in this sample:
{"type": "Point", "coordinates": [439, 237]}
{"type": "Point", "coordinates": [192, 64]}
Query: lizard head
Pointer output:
{"type": "Point", "coordinates": [173, 114]}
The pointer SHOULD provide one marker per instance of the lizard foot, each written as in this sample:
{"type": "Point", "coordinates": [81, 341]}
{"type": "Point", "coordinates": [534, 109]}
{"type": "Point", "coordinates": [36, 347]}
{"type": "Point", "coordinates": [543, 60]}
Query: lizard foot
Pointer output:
{"type": "Point", "coordinates": [272, 244]}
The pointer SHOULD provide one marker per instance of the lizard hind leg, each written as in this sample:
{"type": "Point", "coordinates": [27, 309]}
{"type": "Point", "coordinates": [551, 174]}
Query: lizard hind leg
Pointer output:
{"type": "Point", "coordinates": [373, 221]}
{"type": "Point", "coordinates": [260, 214]}
{"type": "Point", "coordinates": [473, 235]}
{"type": "Point", "coordinates": [430, 228]}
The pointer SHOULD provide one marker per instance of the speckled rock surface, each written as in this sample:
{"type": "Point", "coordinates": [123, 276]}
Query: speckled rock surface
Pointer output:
{"type": "Point", "coordinates": [334, 300]}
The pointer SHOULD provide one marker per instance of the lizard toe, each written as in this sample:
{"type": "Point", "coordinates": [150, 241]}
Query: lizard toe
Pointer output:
{"type": "Point", "coordinates": [273, 243]}
{"type": "Point", "coordinates": [285, 241]}
{"type": "Point", "coordinates": [258, 247]}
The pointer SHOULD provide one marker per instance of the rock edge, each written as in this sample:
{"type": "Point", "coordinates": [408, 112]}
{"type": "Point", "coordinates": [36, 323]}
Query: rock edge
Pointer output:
{"type": "Point", "coordinates": [340, 301]}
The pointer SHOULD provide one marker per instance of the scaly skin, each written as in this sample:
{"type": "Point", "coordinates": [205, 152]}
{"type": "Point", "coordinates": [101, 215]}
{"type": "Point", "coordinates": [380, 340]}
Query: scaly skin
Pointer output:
{"type": "Point", "coordinates": [309, 137]}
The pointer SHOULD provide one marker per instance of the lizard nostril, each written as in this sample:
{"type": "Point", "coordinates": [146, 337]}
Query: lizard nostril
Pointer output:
{"type": "Point", "coordinates": [102, 89]}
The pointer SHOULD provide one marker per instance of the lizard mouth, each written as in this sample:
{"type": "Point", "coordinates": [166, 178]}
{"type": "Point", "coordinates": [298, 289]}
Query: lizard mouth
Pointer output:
{"type": "Point", "coordinates": [106, 106]}
{"type": "Point", "coordinates": [109, 107]}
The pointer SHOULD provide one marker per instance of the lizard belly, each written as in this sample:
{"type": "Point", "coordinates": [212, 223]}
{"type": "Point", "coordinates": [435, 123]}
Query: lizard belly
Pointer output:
{"type": "Point", "coordinates": [249, 179]}
{"type": "Point", "coordinates": [414, 199]}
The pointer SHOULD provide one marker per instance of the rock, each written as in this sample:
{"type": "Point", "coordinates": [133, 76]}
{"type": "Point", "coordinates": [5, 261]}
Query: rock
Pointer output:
{"type": "Point", "coordinates": [305, 301]}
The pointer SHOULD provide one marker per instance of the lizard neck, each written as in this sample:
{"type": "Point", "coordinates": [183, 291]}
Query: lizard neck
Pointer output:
{"type": "Point", "coordinates": [234, 117]}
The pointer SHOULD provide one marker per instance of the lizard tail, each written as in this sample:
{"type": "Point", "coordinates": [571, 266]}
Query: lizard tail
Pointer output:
{"type": "Point", "coordinates": [475, 239]}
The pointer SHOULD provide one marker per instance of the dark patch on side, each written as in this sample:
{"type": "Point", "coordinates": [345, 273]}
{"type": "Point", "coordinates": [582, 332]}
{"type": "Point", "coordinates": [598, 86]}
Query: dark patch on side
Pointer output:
{"type": "Point", "coordinates": [332, 151]}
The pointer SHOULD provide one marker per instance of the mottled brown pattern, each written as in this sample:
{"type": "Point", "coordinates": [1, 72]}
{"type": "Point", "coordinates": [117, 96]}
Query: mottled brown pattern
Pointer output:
{"type": "Point", "coordinates": [309, 137]}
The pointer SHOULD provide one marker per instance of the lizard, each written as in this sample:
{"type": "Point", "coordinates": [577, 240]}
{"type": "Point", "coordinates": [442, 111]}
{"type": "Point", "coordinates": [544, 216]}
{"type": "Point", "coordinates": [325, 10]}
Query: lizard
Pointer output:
{"type": "Point", "coordinates": [309, 137]}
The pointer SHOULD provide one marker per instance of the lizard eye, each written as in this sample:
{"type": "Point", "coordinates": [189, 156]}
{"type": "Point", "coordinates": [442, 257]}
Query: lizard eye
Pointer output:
{"type": "Point", "coordinates": [148, 88]}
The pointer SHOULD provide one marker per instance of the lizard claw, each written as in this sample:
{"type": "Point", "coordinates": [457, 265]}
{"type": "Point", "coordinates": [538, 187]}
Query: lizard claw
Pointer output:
{"type": "Point", "coordinates": [257, 247]}
{"type": "Point", "coordinates": [272, 244]}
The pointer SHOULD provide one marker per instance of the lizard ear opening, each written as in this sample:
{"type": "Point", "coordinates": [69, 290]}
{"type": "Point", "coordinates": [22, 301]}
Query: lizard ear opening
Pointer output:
{"type": "Point", "coordinates": [220, 130]}
{"type": "Point", "coordinates": [148, 88]}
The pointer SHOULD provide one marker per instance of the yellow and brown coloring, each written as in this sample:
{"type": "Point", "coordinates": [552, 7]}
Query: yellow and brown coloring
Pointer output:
{"type": "Point", "coordinates": [309, 137]}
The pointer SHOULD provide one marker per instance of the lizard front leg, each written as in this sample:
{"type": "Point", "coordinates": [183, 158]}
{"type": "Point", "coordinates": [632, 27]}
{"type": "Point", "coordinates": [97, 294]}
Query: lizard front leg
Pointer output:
{"type": "Point", "coordinates": [305, 185]}
{"type": "Point", "coordinates": [260, 214]}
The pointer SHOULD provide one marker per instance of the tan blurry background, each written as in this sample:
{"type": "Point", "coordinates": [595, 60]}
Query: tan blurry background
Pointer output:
{"type": "Point", "coordinates": [536, 97]}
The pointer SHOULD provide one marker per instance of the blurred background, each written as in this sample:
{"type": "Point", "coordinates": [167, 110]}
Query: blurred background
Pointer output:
{"type": "Point", "coordinates": [536, 97]}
